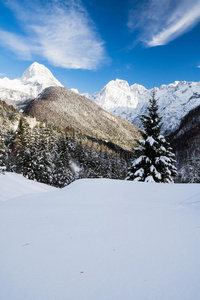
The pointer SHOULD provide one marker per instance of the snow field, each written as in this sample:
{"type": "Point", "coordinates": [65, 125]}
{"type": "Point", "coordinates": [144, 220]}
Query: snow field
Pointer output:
{"type": "Point", "coordinates": [100, 239]}
{"type": "Point", "coordinates": [13, 185]}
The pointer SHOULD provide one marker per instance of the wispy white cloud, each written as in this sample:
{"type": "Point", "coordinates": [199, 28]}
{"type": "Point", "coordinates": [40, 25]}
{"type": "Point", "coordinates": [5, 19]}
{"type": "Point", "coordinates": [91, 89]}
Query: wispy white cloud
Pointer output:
{"type": "Point", "coordinates": [59, 31]}
{"type": "Point", "coordinates": [15, 43]}
{"type": "Point", "coordinates": [2, 74]}
{"type": "Point", "coordinates": [160, 22]}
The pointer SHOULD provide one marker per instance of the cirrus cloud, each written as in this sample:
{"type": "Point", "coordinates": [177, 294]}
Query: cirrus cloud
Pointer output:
{"type": "Point", "coordinates": [59, 31]}
{"type": "Point", "coordinates": [160, 22]}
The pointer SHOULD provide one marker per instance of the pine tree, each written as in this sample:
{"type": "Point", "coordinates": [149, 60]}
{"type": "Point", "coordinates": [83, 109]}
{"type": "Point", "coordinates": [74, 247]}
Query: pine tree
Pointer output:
{"type": "Point", "coordinates": [153, 160]}
{"type": "Point", "coordinates": [21, 145]}
{"type": "Point", "coordinates": [3, 155]}
{"type": "Point", "coordinates": [29, 156]}
{"type": "Point", "coordinates": [44, 164]}
{"type": "Point", "coordinates": [62, 175]}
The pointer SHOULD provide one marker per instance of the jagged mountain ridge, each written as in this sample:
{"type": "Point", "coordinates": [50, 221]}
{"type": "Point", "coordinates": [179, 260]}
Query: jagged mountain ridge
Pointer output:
{"type": "Point", "coordinates": [129, 102]}
{"type": "Point", "coordinates": [117, 97]}
{"type": "Point", "coordinates": [118, 93]}
{"type": "Point", "coordinates": [60, 106]}
{"type": "Point", "coordinates": [35, 79]}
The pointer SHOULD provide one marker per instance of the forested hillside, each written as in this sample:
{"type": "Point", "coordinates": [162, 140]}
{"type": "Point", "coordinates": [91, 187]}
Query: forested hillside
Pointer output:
{"type": "Point", "coordinates": [55, 155]}
{"type": "Point", "coordinates": [59, 105]}
{"type": "Point", "coordinates": [186, 143]}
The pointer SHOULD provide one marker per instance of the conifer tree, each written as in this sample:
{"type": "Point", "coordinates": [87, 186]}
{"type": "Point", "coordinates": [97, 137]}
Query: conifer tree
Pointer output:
{"type": "Point", "coordinates": [30, 155]}
{"type": "Point", "coordinates": [153, 160]}
{"type": "Point", "coordinates": [3, 155]}
{"type": "Point", "coordinates": [21, 144]}
{"type": "Point", "coordinates": [45, 164]}
{"type": "Point", "coordinates": [62, 173]}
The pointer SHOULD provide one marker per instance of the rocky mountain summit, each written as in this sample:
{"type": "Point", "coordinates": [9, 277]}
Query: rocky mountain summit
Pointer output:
{"type": "Point", "coordinates": [118, 93]}
{"type": "Point", "coordinates": [130, 102]}
{"type": "Point", "coordinates": [46, 99]}
{"type": "Point", "coordinates": [35, 79]}
{"type": "Point", "coordinates": [175, 100]}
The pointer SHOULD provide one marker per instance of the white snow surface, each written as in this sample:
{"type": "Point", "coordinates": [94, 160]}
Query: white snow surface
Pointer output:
{"type": "Point", "coordinates": [130, 102]}
{"type": "Point", "coordinates": [101, 239]}
{"type": "Point", "coordinates": [13, 185]}
{"type": "Point", "coordinates": [36, 78]}
{"type": "Point", "coordinates": [150, 140]}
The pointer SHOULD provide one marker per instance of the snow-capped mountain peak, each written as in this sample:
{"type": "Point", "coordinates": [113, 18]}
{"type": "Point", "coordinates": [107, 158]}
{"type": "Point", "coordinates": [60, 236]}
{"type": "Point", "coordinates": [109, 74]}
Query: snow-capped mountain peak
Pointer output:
{"type": "Point", "coordinates": [137, 88]}
{"type": "Point", "coordinates": [36, 78]}
{"type": "Point", "coordinates": [119, 83]}
{"type": "Point", "coordinates": [37, 71]}
{"type": "Point", "coordinates": [117, 93]}
{"type": "Point", "coordinates": [175, 100]}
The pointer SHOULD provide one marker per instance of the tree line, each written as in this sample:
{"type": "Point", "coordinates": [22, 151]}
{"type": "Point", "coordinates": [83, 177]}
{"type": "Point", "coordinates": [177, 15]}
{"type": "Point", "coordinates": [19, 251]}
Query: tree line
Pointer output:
{"type": "Point", "coordinates": [55, 156]}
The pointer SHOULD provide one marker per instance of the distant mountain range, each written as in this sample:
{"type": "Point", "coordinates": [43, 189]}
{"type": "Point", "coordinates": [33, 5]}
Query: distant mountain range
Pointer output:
{"type": "Point", "coordinates": [117, 97]}
{"type": "Point", "coordinates": [130, 102]}
{"type": "Point", "coordinates": [41, 95]}
{"type": "Point", "coordinates": [46, 99]}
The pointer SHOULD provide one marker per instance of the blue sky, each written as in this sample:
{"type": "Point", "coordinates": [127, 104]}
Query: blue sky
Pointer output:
{"type": "Point", "coordinates": [90, 42]}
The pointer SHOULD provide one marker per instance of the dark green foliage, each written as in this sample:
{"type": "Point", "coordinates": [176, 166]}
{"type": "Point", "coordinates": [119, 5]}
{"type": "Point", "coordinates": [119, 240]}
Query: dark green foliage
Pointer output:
{"type": "Point", "coordinates": [22, 147]}
{"type": "Point", "coordinates": [53, 155]}
{"type": "Point", "coordinates": [153, 160]}
{"type": "Point", "coordinates": [3, 155]}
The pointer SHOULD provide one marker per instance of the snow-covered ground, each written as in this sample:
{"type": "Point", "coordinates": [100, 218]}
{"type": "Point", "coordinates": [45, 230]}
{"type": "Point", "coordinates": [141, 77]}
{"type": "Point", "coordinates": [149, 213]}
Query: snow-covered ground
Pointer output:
{"type": "Point", "coordinates": [13, 185]}
{"type": "Point", "coordinates": [100, 239]}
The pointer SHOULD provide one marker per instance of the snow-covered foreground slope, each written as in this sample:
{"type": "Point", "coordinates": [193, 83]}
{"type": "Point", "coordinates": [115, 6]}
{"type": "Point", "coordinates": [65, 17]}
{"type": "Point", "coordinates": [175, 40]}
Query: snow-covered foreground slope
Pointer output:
{"type": "Point", "coordinates": [36, 78]}
{"type": "Point", "coordinates": [130, 102]}
{"type": "Point", "coordinates": [102, 240]}
{"type": "Point", "coordinates": [13, 185]}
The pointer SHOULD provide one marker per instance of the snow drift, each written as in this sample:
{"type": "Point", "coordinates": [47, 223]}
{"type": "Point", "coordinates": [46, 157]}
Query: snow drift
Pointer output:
{"type": "Point", "coordinates": [102, 239]}
{"type": "Point", "coordinates": [13, 185]}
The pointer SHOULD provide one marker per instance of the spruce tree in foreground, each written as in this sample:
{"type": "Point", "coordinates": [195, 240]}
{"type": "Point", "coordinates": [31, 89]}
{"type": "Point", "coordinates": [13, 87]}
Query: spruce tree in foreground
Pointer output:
{"type": "Point", "coordinates": [153, 160]}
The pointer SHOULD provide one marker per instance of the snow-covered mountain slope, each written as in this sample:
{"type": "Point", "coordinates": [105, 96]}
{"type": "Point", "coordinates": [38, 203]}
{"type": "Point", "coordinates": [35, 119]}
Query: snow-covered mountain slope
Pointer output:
{"type": "Point", "coordinates": [102, 240]}
{"type": "Point", "coordinates": [36, 78]}
{"type": "Point", "coordinates": [118, 93]}
{"type": "Point", "coordinates": [129, 102]}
